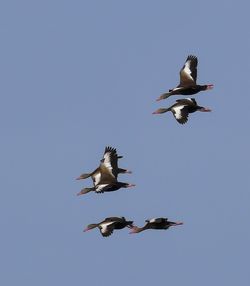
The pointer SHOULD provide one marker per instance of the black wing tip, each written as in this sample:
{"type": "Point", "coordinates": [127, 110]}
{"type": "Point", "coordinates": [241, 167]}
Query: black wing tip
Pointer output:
{"type": "Point", "coordinates": [99, 192]}
{"type": "Point", "coordinates": [182, 120]}
{"type": "Point", "coordinates": [192, 57]}
{"type": "Point", "coordinates": [106, 234]}
{"type": "Point", "coordinates": [110, 149]}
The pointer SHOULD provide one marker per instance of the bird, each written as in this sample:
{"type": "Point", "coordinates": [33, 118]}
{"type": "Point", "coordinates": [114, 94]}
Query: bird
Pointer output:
{"type": "Point", "coordinates": [105, 187]}
{"type": "Point", "coordinates": [109, 224]}
{"type": "Point", "coordinates": [105, 178]}
{"type": "Point", "coordinates": [188, 75]}
{"type": "Point", "coordinates": [155, 223]}
{"type": "Point", "coordinates": [109, 153]}
{"type": "Point", "coordinates": [182, 108]}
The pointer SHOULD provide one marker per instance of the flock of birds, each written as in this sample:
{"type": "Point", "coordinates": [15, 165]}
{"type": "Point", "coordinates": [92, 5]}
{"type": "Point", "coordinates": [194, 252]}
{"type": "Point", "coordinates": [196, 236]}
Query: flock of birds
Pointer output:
{"type": "Point", "coordinates": [187, 86]}
{"type": "Point", "coordinates": [105, 176]}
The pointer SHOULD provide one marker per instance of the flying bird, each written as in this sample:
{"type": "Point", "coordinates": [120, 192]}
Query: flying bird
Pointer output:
{"type": "Point", "coordinates": [108, 225]}
{"type": "Point", "coordinates": [182, 108]}
{"type": "Point", "coordinates": [105, 187]}
{"type": "Point", "coordinates": [155, 223]}
{"type": "Point", "coordinates": [105, 176]}
{"type": "Point", "coordinates": [188, 75]}
{"type": "Point", "coordinates": [109, 153]}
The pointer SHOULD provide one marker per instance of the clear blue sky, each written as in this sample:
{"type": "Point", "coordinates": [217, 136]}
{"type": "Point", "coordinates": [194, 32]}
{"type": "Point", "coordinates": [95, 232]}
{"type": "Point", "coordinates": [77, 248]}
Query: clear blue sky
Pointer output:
{"type": "Point", "coordinates": [79, 75]}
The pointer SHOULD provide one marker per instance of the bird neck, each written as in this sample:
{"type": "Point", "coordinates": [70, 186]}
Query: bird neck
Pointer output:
{"type": "Point", "coordinates": [85, 191]}
{"type": "Point", "coordinates": [83, 176]}
{"type": "Point", "coordinates": [92, 225]}
{"type": "Point", "coordinates": [137, 229]}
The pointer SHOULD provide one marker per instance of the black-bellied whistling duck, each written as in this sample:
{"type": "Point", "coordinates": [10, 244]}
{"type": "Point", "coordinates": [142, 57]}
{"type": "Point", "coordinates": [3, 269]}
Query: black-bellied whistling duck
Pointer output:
{"type": "Point", "coordinates": [105, 187]}
{"type": "Point", "coordinates": [109, 153]}
{"type": "Point", "coordinates": [105, 179]}
{"type": "Point", "coordinates": [108, 225]}
{"type": "Point", "coordinates": [188, 75]}
{"type": "Point", "coordinates": [182, 108]}
{"type": "Point", "coordinates": [155, 223]}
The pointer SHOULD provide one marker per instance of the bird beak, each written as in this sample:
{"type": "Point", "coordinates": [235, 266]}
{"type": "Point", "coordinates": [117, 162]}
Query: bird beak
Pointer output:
{"type": "Point", "coordinates": [210, 86]}
{"type": "Point", "coordinates": [131, 185]}
{"type": "Point", "coordinates": [79, 178]}
{"type": "Point", "coordinates": [178, 223]}
{"type": "Point", "coordinates": [206, 110]}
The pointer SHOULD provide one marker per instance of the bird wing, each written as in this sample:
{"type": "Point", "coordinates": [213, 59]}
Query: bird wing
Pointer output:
{"type": "Point", "coordinates": [106, 228]}
{"type": "Point", "coordinates": [101, 188]}
{"type": "Point", "coordinates": [110, 160]}
{"type": "Point", "coordinates": [180, 113]}
{"type": "Point", "coordinates": [155, 220]}
{"type": "Point", "coordinates": [188, 73]}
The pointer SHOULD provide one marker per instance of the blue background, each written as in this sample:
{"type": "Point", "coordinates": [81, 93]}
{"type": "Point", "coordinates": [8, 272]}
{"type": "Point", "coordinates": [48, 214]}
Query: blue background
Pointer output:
{"type": "Point", "coordinates": [76, 76]}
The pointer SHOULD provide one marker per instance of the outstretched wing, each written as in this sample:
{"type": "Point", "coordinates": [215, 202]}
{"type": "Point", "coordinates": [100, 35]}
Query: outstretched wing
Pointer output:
{"type": "Point", "coordinates": [188, 73]}
{"type": "Point", "coordinates": [106, 228]}
{"type": "Point", "coordinates": [101, 188]}
{"type": "Point", "coordinates": [109, 161]}
{"type": "Point", "coordinates": [180, 113]}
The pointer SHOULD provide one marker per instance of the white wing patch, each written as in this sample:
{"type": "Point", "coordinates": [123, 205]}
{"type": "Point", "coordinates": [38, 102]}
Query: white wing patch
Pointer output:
{"type": "Point", "coordinates": [100, 188]}
{"type": "Point", "coordinates": [107, 161]}
{"type": "Point", "coordinates": [187, 69]}
{"type": "Point", "coordinates": [152, 220]}
{"type": "Point", "coordinates": [104, 226]}
{"type": "Point", "coordinates": [178, 109]}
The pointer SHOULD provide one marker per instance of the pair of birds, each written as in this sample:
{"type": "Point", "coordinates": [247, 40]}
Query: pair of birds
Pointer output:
{"type": "Point", "coordinates": [187, 86]}
{"type": "Point", "coordinates": [109, 224]}
{"type": "Point", "coordinates": [105, 176]}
